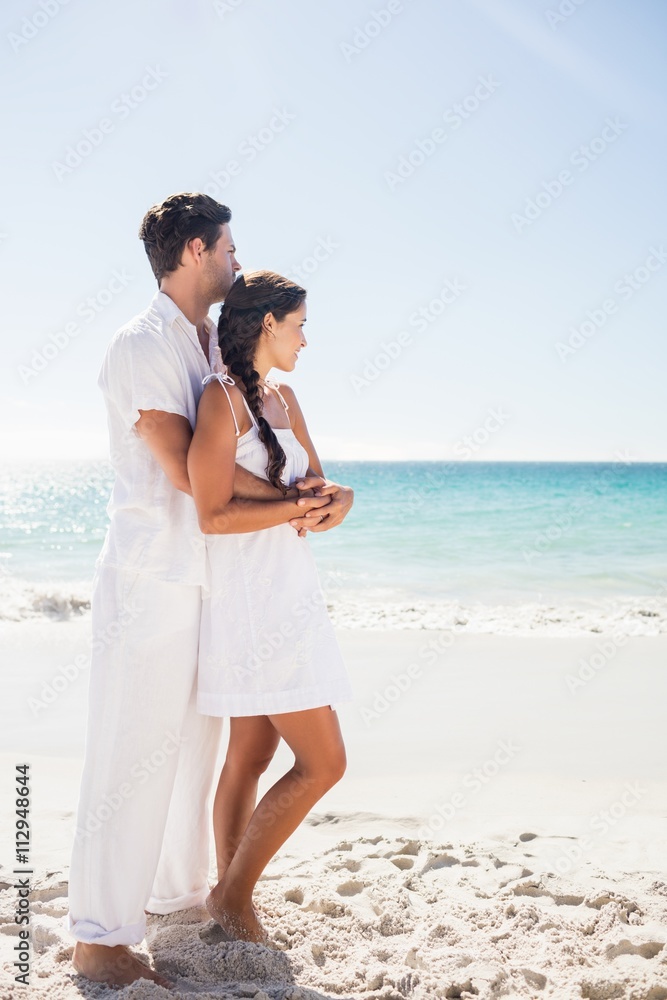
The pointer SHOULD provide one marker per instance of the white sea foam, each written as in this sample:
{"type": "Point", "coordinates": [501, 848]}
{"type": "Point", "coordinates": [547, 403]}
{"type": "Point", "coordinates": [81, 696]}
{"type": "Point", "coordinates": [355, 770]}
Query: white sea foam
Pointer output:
{"type": "Point", "coordinates": [620, 616]}
{"type": "Point", "coordinates": [21, 600]}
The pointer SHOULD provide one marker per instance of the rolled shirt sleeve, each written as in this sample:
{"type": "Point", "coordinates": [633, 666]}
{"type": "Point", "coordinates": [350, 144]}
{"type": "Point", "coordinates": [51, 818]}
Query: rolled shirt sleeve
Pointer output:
{"type": "Point", "coordinates": [142, 372]}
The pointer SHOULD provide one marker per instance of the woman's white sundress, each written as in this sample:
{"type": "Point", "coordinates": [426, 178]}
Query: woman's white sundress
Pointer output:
{"type": "Point", "coordinates": [267, 644]}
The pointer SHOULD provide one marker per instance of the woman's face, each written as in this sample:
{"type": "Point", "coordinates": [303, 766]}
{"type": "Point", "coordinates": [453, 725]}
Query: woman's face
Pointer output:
{"type": "Point", "coordinates": [283, 339]}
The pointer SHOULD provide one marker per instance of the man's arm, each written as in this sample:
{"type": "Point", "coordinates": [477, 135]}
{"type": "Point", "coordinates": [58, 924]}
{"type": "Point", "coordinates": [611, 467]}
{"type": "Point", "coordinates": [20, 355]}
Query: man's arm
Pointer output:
{"type": "Point", "coordinates": [168, 436]}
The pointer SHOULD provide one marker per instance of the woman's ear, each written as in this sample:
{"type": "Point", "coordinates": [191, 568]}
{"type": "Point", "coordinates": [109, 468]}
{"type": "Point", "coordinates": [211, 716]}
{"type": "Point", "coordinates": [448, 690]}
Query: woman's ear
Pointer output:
{"type": "Point", "coordinates": [268, 324]}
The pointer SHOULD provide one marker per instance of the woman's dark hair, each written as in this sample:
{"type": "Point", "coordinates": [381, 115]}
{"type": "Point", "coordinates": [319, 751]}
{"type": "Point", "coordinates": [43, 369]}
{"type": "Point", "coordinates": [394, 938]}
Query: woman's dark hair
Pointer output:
{"type": "Point", "coordinates": [166, 228]}
{"type": "Point", "coordinates": [248, 301]}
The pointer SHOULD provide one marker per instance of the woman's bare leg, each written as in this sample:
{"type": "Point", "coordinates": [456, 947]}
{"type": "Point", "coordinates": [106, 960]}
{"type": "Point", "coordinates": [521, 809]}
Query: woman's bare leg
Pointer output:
{"type": "Point", "coordinates": [315, 739]}
{"type": "Point", "coordinates": [252, 743]}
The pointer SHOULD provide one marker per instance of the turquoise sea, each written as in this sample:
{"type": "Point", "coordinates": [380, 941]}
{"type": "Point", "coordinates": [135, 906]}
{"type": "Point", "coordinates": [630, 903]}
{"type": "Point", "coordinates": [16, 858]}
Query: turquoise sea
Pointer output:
{"type": "Point", "coordinates": [492, 546]}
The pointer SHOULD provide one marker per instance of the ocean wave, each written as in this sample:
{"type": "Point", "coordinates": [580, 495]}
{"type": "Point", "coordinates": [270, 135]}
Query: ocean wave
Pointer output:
{"type": "Point", "coordinates": [631, 616]}
{"type": "Point", "coordinates": [22, 600]}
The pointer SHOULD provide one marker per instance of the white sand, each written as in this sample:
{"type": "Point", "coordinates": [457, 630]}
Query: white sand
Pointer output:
{"type": "Point", "coordinates": [498, 833]}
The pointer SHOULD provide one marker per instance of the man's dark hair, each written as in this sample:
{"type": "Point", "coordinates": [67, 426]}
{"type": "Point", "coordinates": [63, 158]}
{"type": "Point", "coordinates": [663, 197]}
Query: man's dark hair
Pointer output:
{"type": "Point", "coordinates": [167, 227]}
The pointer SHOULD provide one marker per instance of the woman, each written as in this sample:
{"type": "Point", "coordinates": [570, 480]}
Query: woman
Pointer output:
{"type": "Point", "coordinates": [268, 655]}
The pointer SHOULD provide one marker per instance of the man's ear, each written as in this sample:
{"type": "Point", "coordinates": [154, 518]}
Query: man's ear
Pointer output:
{"type": "Point", "coordinates": [194, 248]}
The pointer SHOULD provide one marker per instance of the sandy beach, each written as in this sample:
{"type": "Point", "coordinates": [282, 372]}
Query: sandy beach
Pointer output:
{"type": "Point", "coordinates": [501, 830]}
{"type": "Point", "coordinates": [436, 226]}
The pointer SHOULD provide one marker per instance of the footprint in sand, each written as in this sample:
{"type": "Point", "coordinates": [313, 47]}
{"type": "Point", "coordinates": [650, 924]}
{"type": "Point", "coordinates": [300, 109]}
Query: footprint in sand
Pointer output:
{"type": "Point", "coordinates": [50, 909]}
{"type": "Point", "coordinates": [319, 955]}
{"type": "Point", "coordinates": [440, 861]}
{"type": "Point", "coordinates": [294, 896]}
{"type": "Point", "coordinates": [350, 865]}
{"type": "Point", "coordinates": [412, 848]}
{"type": "Point", "coordinates": [351, 888]}
{"type": "Point", "coordinates": [327, 907]}
{"type": "Point", "coordinates": [536, 888]}
{"type": "Point", "coordinates": [46, 894]}
{"type": "Point", "coordinates": [649, 949]}
{"type": "Point", "coordinates": [625, 906]}
{"type": "Point", "coordinates": [11, 929]}
{"type": "Point", "coordinates": [461, 990]}
{"type": "Point", "coordinates": [535, 979]}
{"type": "Point", "coordinates": [403, 857]}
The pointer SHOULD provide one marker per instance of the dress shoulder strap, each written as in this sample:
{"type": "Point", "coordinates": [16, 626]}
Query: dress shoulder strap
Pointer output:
{"type": "Point", "coordinates": [224, 381]}
{"type": "Point", "coordinates": [272, 384]}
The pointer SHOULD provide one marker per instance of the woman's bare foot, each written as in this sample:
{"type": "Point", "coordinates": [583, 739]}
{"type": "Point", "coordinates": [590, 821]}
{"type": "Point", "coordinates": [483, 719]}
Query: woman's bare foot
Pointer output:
{"type": "Point", "coordinates": [238, 925]}
{"type": "Point", "coordinates": [117, 966]}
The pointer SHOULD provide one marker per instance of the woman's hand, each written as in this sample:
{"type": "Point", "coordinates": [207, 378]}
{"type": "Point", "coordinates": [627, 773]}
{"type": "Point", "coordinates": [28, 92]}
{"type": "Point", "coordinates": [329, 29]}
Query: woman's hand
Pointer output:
{"type": "Point", "coordinates": [341, 497]}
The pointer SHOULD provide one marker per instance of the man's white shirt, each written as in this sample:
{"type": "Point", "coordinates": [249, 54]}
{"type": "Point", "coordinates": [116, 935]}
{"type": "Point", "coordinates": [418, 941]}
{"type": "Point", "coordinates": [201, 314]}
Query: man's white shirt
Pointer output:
{"type": "Point", "coordinates": [154, 362]}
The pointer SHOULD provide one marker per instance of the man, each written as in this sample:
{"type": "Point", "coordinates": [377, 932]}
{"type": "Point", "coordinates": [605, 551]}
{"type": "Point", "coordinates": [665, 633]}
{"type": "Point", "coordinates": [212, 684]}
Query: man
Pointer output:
{"type": "Point", "coordinates": [142, 826]}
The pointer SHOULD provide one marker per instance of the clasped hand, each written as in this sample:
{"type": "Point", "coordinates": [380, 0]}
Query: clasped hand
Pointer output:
{"type": "Point", "coordinates": [325, 504]}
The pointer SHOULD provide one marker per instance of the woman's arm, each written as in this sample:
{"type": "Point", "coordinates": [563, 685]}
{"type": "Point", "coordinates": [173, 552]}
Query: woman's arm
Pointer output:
{"type": "Point", "coordinates": [342, 497]}
{"type": "Point", "coordinates": [211, 469]}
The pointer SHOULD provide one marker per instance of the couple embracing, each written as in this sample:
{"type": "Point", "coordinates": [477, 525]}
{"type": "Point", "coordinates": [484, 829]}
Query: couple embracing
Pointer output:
{"type": "Point", "coordinates": [207, 585]}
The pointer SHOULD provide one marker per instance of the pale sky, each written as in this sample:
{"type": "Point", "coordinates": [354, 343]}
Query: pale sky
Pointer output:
{"type": "Point", "coordinates": [472, 192]}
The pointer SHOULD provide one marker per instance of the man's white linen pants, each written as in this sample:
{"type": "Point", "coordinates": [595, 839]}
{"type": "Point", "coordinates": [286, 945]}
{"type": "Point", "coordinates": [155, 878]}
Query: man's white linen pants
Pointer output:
{"type": "Point", "coordinates": [142, 827]}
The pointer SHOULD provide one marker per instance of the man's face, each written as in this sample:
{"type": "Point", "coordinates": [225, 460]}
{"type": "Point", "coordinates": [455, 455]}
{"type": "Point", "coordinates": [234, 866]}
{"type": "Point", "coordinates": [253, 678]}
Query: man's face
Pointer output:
{"type": "Point", "coordinates": [221, 266]}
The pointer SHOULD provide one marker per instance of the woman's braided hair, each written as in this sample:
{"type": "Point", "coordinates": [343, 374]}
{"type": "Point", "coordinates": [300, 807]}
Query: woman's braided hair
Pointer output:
{"type": "Point", "coordinates": [248, 301]}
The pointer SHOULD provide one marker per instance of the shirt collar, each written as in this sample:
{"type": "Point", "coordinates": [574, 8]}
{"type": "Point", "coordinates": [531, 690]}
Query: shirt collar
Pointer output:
{"type": "Point", "coordinates": [170, 312]}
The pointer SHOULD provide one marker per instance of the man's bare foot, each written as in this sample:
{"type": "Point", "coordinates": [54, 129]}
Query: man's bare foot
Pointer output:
{"type": "Point", "coordinates": [117, 966]}
{"type": "Point", "coordinates": [238, 925]}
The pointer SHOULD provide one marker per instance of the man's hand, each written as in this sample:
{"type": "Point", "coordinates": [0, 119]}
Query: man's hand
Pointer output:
{"type": "Point", "coordinates": [342, 498]}
{"type": "Point", "coordinates": [313, 483]}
